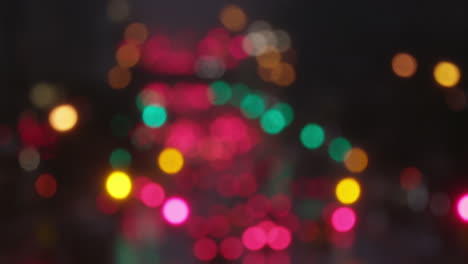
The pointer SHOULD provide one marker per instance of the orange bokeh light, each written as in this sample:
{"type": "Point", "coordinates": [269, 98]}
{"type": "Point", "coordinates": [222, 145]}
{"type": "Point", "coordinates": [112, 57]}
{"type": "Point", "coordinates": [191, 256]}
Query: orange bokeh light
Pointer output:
{"type": "Point", "coordinates": [356, 160]}
{"type": "Point", "coordinates": [119, 77]}
{"type": "Point", "coordinates": [404, 65]}
{"type": "Point", "coordinates": [233, 18]}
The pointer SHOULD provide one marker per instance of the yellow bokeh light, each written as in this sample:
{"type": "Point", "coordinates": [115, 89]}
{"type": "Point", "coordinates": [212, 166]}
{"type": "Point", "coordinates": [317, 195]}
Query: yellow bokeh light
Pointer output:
{"type": "Point", "coordinates": [348, 191]}
{"type": "Point", "coordinates": [63, 118]}
{"type": "Point", "coordinates": [404, 65]}
{"type": "Point", "coordinates": [118, 185]}
{"type": "Point", "coordinates": [233, 18]}
{"type": "Point", "coordinates": [356, 160]}
{"type": "Point", "coordinates": [171, 160]}
{"type": "Point", "coordinates": [447, 74]}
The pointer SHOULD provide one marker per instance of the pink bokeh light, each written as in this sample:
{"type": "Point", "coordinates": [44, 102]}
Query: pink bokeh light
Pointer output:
{"type": "Point", "coordinates": [462, 208]}
{"type": "Point", "coordinates": [175, 211]}
{"type": "Point", "coordinates": [152, 195]}
{"type": "Point", "coordinates": [343, 219]}
{"type": "Point", "coordinates": [254, 238]}
{"type": "Point", "coordinates": [279, 238]}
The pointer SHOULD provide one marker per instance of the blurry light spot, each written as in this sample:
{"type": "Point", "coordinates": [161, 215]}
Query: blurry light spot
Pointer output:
{"type": "Point", "coordinates": [338, 148]}
{"type": "Point", "coordinates": [455, 99]}
{"type": "Point", "coordinates": [283, 74]}
{"type": "Point", "coordinates": [254, 238]}
{"type": "Point", "coordinates": [418, 199]}
{"type": "Point", "coordinates": [447, 74]}
{"type": "Point", "coordinates": [120, 159]}
{"type": "Point", "coordinates": [46, 186]}
{"type": "Point", "coordinates": [348, 191]}
{"type": "Point", "coordinates": [209, 67]}
{"type": "Point", "coordinates": [287, 112]}
{"type": "Point", "coordinates": [170, 160]}
{"type": "Point", "coordinates": [154, 116]}
{"type": "Point", "coordinates": [254, 258]}
{"type": "Point", "coordinates": [152, 195]}
{"type": "Point", "coordinates": [106, 205]}
{"type": "Point", "coordinates": [404, 65]}
{"type": "Point", "coordinates": [239, 92]}
{"type": "Point", "coordinates": [176, 211]}
{"type": "Point", "coordinates": [29, 159]}
{"type": "Point", "coordinates": [252, 106]}
{"type": "Point", "coordinates": [462, 208]}
{"type": "Point", "coordinates": [283, 39]}
{"type": "Point", "coordinates": [220, 93]}
{"type": "Point", "coordinates": [118, 10]}
{"type": "Point", "coordinates": [44, 95]}
{"type": "Point", "coordinates": [205, 249]}
{"type": "Point", "coordinates": [258, 26]}
{"type": "Point", "coordinates": [254, 44]}
{"type": "Point", "coordinates": [270, 58]}
{"type": "Point", "coordinates": [410, 178]}
{"type": "Point", "coordinates": [136, 33]}
{"type": "Point", "coordinates": [343, 219]}
{"type": "Point", "coordinates": [127, 55]}
{"type": "Point", "coordinates": [312, 136]}
{"type": "Point", "coordinates": [356, 160]}
{"type": "Point", "coordinates": [272, 121]}
{"type": "Point", "coordinates": [63, 118]}
{"type": "Point", "coordinates": [233, 18]}
{"type": "Point", "coordinates": [231, 248]}
{"type": "Point", "coordinates": [119, 77]}
{"type": "Point", "coordinates": [118, 185]}
{"type": "Point", "coordinates": [440, 204]}
{"type": "Point", "coordinates": [279, 238]}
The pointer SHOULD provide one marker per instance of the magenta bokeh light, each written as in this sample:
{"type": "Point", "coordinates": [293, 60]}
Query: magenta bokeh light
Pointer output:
{"type": "Point", "coordinates": [254, 238]}
{"type": "Point", "coordinates": [279, 238]}
{"type": "Point", "coordinates": [462, 208]}
{"type": "Point", "coordinates": [152, 195]}
{"type": "Point", "coordinates": [175, 211]}
{"type": "Point", "coordinates": [343, 219]}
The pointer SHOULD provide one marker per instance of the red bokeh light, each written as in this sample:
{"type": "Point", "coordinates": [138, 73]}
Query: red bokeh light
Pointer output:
{"type": "Point", "coordinates": [106, 204]}
{"type": "Point", "coordinates": [205, 249]}
{"type": "Point", "coordinates": [410, 178]}
{"type": "Point", "coordinates": [219, 226]}
{"type": "Point", "coordinates": [258, 205]}
{"type": "Point", "coordinates": [254, 258]}
{"type": "Point", "coordinates": [254, 238]}
{"type": "Point", "coordinates": [46, 185]}
{"type": "Point", "coordinates": [231, 248]}
{"type": "Point", "coordinates": [152, 195]}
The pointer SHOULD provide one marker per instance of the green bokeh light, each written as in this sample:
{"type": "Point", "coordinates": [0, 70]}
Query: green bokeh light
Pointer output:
{"type": "Point", "coordinates": [120, 159]}
{"type": "Point", "coordinates": [154, 116]}
{"type": "Point", "coordinates": [272, 121]}
{"type": "Point", "coordinates": [252, 106]}
{"type": "Point", "coordinates": [220, 93]}
{"type": "Point", "coordinates": [338, 148]}
{"type": "Point", "coordinates": [287, 112]}
{"type": "Point", "coordinates": [120, 125]}
{"type": "Point", "coordinates": [312, 136]}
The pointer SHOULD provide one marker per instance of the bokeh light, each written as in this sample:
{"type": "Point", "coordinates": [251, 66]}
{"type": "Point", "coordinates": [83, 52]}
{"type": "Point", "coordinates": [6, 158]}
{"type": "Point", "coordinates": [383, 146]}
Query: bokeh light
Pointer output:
{"type": "Point", "coordinates": [348, 191]}
{"type": "Point", "coordinates": [447, 74]}
{"type": "Point", "coordinates": [170, 160]}
{"type": "Point", "coordinates": [283, 74]}
{"type": "Point", "coordinates": [252, 106]}
{"type": "Point", "coordinates": [343, 219]}
{"type": "Point", "coordinates": [29, 159]}
{"type": "Point", "coordinates": [205, 249]}
{"type": "Point", "coordinates": [462, 208]}
{"type": "Point", "coordinates": [356, 160]}
{"type": "Point", "coordinates": [279, 238]}
{"type": "Point", "coordinates": [404, 65]}
{"type": "Point", "coordinates": [231, 248]}
{"type": "Point", "coordinates": [418, 199]}
{"type": "Point", "coordinates": [118, 185]}
{"type": "Point", "coordinates": [410, 178]}
{"type": "Point", "coordinates": [233, 18]}
{"type": "Point", "coordinates": [44, 95]}
{"type": "Point", "coordinates": [175, 211]}
{"type": "Point", "coordinates": [154, 116]}
{"type": "Point", "coordinates": [220, 93]}
{"type": "Point", "coordinates": [338, 148]}
{"type": "Point", "coordinates": [254, 238]}
{"type": "Point", "coordinates": [312, 136]}
{"type": "Point", "coordinates": [272, 121]}
{"type": "Point", "coordinates": [63, 118]}
{"type": "Point", "coordinates": [136, 33]}
{"type": "Point", "coordinates": [127, 55]}
{"type": "Point", "coordinates": [152, 194]}
{"type": "Point", "coordinates": [120, 159]}
{"type": "Point", "coordinates": [46, 186]}
{"type": "Point", "coordinates": [119, 77]}
{"type": "Point", "coordinates": [440, 204]}
{"type": "Point", "coordinates": [286, 110]}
